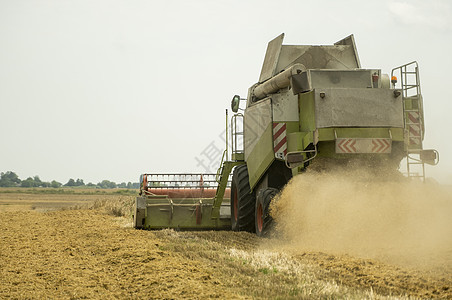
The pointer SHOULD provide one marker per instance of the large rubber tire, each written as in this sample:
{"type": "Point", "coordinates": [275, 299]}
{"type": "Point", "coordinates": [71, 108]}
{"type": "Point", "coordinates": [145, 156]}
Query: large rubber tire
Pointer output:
{"type": "Point", "coordinates": [263, 219]}
{"type": "Point", "coordinates": [242, 201]}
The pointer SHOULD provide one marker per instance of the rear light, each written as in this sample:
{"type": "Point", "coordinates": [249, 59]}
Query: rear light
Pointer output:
{"type": "Point", "coordinates": [393, 81]}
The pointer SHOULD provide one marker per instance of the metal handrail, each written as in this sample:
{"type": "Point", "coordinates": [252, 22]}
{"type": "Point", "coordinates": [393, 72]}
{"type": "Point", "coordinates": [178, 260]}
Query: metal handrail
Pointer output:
{"type": "Point", "coordinates": [235, 133]}
{"type": "Point", "coordinates": [217, 176]}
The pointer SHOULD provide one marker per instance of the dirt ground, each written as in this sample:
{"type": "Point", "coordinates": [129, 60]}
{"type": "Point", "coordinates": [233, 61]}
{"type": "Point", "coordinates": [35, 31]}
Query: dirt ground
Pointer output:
{"type": "Point", "coordinates": [90, 253]}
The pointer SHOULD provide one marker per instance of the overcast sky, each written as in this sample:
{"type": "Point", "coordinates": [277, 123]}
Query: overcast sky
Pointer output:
{"type": "Point", "coordinates": [99, 90]}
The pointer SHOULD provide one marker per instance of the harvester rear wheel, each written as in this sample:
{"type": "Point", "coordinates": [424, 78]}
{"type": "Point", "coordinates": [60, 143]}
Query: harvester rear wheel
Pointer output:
{"type": "Point", "coordinates": [263, 218]}
{"type": "Point", "coordinates": [242, 201]}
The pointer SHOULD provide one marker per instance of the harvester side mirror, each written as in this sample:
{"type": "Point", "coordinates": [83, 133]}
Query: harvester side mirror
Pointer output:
{"type": "Point", "coordinates": [429, 156]}
{"type": "Point", "coordinates": [294, 159]}
{"type": "Point", "coordinates": [235, 103]}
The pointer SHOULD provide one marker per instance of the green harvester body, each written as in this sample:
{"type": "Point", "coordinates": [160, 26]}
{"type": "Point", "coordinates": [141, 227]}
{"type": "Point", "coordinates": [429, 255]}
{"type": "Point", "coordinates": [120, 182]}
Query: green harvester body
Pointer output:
{"type": "Point", "coordinates": [311, 103]}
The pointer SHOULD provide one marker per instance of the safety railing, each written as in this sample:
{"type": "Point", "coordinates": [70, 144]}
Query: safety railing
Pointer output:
{"type": "Point", "coordinates": [237, 133]}
{"type": "Point", "coordinates": [410, 86]}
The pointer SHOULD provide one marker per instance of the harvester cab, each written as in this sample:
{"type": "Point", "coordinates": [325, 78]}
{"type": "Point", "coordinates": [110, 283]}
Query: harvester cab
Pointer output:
{"type": "Point", "coordinates": [310, 103]}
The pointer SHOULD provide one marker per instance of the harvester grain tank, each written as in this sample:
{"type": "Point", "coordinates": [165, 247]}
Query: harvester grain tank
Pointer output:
{"type": "Point", "coordinates": [311, 102]}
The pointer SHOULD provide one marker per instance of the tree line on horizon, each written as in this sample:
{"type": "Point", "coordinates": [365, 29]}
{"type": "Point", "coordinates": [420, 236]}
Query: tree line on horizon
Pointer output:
{"type": "Point", "coordinates": [10, 179]}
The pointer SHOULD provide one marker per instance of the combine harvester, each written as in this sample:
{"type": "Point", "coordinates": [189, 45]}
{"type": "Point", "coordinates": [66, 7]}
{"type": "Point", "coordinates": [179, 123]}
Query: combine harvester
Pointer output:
{"type": "Point", "coordinates": [310, 102]}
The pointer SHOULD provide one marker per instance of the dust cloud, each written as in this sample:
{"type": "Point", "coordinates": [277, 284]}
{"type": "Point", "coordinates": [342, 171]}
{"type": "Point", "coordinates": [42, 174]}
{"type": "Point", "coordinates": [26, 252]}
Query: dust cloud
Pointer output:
{"type": "Point", "coordinates": [357, 213]}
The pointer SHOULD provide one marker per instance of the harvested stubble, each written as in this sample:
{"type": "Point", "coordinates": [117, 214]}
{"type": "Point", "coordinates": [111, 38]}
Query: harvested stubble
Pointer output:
{"type": "Point", "coordinates": [89, 252]}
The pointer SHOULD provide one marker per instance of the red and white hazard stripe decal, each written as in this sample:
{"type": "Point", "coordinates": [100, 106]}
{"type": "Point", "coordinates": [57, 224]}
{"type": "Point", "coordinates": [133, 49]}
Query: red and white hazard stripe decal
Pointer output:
{"type": "Point", "coordinates": [351, 145]}
{"type": "Point", "coordinates": [279, 140]}
{"type": "Point", "coordinates": [414, 128]}
{"type": "Point", "coordinates": [346, 146]}
{"type": "Point", "coordinates": [381, 145]}
{"type": "Point", "coordinates": [413, 117]}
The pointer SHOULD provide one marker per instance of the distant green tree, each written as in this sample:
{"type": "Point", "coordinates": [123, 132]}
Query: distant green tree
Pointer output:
{"type": "Point", "coordinates": [39, 183]}
{"type": "Point", "coordinates": [79, 182]}
{"type": "Point", "coordinates": [9, 179]}
{"type": "Point", "coordinates": [45, 184]}
{"type": "Point", "coordinates": [55, 184]}
{"type": "Point", "coordinates": [71, 182]}
{"type": "Point", "coordinates": [106, 184]}
{"type": "Point", "coordinates": [90, 184]}
{"type": "Point", "coordinates": [122, 185]}
{"type": "Point", "coordinates": [29, 182]}
{"type": "Point", "coordinates": [37, 180]}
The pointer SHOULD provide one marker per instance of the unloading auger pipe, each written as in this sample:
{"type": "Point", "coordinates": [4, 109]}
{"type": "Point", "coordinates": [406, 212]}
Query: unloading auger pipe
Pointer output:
{"type": "Point", "coordinates": [277, 82]}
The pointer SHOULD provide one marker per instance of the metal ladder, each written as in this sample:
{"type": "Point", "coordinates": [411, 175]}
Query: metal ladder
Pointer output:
{"type": "Point", "coordinates": [413, 115]}
{"type": "Point", "coordinates": [223, 176]}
